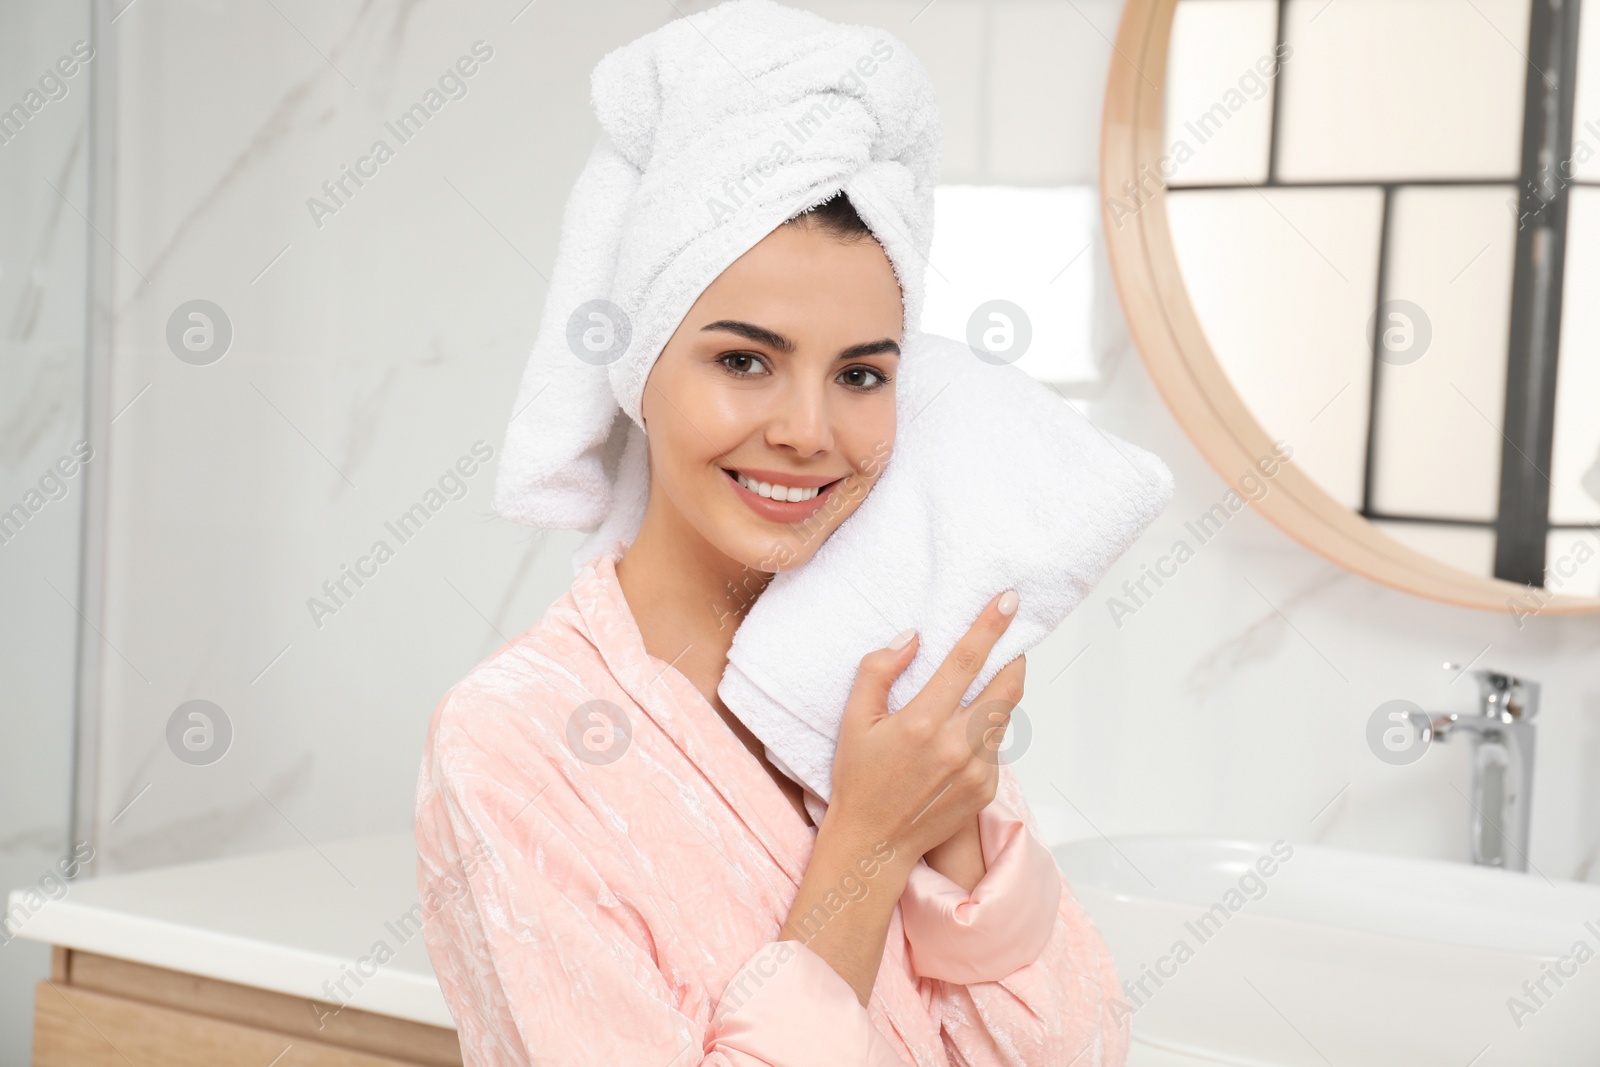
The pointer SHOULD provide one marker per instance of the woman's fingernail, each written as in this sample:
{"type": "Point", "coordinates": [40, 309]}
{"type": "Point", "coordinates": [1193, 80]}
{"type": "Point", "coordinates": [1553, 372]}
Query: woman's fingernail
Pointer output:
{"type": "Point", "coordinates": [902, 637]}
{"type": "Point", "coordinates": [1008, 602]}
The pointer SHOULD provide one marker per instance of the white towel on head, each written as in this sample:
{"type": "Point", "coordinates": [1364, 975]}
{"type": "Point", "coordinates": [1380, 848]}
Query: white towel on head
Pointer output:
{"type": "Point", "coordinates": [995, 482]}
{"type": "Point", "coordinates": [715, 129]}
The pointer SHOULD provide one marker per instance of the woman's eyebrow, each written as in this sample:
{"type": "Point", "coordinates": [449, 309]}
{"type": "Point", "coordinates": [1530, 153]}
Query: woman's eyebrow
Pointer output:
{"type": "Point", "coordinates": [751, 332]}
{"type": "Point", "coordinates": [870, 348]}
{"type": "Point", "coordinates": [772, 339]}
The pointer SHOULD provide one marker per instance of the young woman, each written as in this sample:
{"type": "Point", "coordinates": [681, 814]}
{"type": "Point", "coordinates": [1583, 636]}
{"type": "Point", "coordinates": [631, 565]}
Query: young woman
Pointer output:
{"type": "Point", "coordinates": [612, 872]}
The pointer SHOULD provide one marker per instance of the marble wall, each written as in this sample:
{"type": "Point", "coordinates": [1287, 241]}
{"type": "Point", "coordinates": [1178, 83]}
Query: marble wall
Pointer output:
{"type": "Point", "coordinates": [352, 346]}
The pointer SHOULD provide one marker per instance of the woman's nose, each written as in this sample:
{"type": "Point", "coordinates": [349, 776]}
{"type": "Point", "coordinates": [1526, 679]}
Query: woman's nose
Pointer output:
{"type": "Point", "coordinates": [800, 420]}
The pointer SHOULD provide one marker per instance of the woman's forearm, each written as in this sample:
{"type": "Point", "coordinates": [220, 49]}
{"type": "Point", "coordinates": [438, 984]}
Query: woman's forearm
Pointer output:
{"type": "Point", "coordinates": [845, 901]}
{"type": "Point", "coordinates": [960, 858]}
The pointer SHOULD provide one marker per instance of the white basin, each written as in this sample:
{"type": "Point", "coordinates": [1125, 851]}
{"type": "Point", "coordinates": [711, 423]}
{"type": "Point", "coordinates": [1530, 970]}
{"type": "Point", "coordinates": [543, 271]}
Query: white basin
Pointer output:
{"type": "Point", "coordinates": [1340, 959]}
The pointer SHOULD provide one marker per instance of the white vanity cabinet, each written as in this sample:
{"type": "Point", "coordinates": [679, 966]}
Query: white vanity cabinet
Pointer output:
{"type": "Point", "coordinates": [308, 957]}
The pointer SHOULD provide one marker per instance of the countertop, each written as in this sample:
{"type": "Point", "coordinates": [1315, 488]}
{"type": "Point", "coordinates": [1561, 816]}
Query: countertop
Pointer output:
{"type": "Point", "coordinates": [296, 921]}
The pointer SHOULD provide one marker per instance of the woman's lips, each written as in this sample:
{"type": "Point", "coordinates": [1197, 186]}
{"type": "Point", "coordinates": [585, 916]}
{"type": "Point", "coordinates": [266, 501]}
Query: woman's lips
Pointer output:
{"type": "Point", "coordinates": [784, 511]}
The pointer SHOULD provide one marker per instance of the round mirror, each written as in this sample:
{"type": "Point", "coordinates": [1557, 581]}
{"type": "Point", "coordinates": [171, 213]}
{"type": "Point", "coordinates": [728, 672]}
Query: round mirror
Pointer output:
{"type": "Point", "coordinates": [1365, 235]}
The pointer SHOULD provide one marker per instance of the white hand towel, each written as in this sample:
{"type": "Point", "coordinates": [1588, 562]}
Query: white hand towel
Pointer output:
{"type": "Point", "coordinates": [715, 129]}
{"type": "Point", "coordinates": [995, 482]}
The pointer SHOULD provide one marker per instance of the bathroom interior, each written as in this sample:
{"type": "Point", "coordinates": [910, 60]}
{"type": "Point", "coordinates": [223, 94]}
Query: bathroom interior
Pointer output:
{"type": "Point", "coordinates": [1318, 755]}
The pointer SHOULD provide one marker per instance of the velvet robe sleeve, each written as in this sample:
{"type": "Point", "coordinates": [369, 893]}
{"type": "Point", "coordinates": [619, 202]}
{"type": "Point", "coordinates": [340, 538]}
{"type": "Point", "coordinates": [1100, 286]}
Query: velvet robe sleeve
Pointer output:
{"type": "Point", "coordinates": [1015, 956]}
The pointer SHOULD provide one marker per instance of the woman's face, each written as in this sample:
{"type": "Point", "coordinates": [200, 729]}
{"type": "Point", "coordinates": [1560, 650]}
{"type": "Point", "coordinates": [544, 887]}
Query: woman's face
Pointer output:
{"type": "Point", "coordinates": [782, 372]}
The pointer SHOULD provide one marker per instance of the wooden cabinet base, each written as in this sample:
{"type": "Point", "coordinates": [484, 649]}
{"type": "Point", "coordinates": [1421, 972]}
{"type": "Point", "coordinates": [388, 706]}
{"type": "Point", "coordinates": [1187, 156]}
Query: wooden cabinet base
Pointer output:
{"type": "Point", "coordinates": [97, 1011]}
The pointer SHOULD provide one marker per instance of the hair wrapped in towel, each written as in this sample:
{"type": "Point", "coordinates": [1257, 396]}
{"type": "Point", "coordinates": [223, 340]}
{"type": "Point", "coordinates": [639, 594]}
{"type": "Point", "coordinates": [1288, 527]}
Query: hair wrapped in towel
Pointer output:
{"type": "Point", "coordinates": [715, 130]}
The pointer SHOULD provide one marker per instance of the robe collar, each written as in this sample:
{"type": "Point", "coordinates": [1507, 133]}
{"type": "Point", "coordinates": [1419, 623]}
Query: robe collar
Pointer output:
{"type": "Point", "coordinates": [682, 712]}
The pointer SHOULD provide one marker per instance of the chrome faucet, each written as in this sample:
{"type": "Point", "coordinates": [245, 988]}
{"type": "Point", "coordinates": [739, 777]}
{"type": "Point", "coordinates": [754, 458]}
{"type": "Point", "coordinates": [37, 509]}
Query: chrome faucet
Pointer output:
{"type": "Point", "coordinates": [1502, 765]}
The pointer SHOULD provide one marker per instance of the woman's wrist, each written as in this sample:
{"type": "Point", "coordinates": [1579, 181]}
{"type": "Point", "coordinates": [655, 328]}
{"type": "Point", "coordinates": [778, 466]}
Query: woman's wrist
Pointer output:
{"type": "Point", "coordinates": [858, 868]}
{"type": "Point", "coordinates": [849, 840]}
{"type": "Point", "coordinates": [842, 908]}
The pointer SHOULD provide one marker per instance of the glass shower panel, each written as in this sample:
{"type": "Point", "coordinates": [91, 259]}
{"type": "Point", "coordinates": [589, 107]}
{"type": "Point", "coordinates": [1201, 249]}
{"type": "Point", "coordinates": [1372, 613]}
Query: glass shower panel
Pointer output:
{"type": "Point", "coordinates": [1395, 90]}
{"type": "Point", "coordinates": [1282, 282]}
{"type": "Point", "coordinates": [1575, 451]}
{"type": "Point", "coordinates": [1221, 70]}
{"type": "Point", "coordinates": [1441, 397]}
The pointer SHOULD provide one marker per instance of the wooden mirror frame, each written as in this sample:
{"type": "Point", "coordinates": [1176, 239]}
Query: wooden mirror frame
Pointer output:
{"type": "Point", "coordinates": [1189, 376]}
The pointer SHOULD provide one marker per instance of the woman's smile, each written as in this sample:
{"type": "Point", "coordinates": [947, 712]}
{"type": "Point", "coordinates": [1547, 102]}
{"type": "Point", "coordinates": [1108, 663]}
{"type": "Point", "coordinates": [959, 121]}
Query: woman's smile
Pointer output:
{"type": "Point", "coordinates": [779, 497]}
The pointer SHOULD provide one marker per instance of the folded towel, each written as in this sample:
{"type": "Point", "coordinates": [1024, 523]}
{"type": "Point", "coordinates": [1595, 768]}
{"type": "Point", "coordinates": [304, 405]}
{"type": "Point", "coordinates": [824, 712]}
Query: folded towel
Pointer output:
{"type": "Point", "coordinates": [715, 129]}
{"type": "Point", "coordinates": [995, 482]}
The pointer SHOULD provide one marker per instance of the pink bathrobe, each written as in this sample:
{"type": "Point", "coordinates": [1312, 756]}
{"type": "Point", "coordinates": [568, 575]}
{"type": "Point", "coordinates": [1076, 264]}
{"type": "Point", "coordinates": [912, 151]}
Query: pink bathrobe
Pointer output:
{"type": "Point", "coordinates": [612, 897]}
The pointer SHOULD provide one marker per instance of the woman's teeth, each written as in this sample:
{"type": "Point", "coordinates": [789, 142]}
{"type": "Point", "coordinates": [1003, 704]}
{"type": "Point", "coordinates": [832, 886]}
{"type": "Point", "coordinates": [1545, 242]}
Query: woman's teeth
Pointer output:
{"type": "Point", "coordinates": [778, 492]}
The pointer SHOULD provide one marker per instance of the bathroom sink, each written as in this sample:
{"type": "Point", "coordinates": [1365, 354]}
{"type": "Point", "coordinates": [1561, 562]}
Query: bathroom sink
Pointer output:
{"type": "Point", "coordinates": [1320, 957]}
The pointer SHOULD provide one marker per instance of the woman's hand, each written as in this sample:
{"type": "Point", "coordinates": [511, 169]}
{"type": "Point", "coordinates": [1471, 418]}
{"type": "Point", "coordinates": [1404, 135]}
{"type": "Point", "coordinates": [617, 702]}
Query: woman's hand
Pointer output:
{"type": "Point", "coordinates": [917, 777]}
{"type": "Point", "coordinates": [908, 781]}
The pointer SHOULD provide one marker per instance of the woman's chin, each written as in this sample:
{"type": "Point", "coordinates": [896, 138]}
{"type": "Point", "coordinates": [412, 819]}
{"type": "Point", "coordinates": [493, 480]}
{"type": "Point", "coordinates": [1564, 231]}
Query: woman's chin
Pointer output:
{"type": "Point", "coordinates": [761, 547]}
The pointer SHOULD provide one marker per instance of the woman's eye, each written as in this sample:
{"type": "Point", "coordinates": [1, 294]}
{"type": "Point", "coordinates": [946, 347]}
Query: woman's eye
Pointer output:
{"type": "Point", "coordinates": [877, 379]}
{"type": "Point", "coordinates": [742, 359]}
